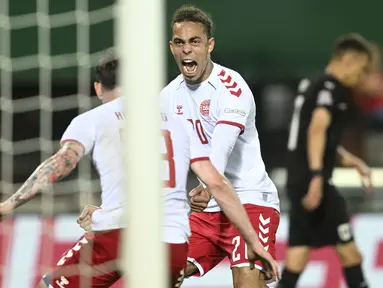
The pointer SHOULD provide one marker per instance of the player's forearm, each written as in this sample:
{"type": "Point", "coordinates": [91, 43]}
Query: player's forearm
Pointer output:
{"type": "Point", "coordinates": [221, 189]}
{"type": "Point", "coordinates": [347, 158]}
{"type": "Point", "coordinates": [51, 170]}
{"type": "Point", "coordinates": [229, 202]}
{"type": "Point", "coordinates": [316, 140]}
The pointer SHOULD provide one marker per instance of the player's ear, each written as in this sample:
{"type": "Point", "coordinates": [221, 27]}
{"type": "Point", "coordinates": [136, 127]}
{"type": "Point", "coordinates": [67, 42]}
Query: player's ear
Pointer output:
{"type": "Point", "coordinates": [211, 44]}
{"type": "Point", "coordinates": [98, 89]}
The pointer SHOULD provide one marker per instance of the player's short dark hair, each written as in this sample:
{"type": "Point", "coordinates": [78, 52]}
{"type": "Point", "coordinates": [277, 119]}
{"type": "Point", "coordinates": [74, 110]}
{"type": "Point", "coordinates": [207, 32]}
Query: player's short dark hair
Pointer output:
{"type": "Point", "coordinates": [190, 13]}
{"type": "Point", "coordinates": [352, 43]}
{"type": "Point", "coordinates": [106, 71]}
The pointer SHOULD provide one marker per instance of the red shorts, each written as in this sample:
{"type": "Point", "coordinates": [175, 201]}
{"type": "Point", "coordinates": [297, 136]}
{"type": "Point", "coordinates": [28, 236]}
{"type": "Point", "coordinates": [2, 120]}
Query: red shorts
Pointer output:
{"type": "Point", "coordinates": [95, 255]}
{"type": "Point", "coordinates": [90, 263]}
{"type": "Point", "coordinates": [178, 256]}
{"type": "Point", "coordinates": [214, 237]}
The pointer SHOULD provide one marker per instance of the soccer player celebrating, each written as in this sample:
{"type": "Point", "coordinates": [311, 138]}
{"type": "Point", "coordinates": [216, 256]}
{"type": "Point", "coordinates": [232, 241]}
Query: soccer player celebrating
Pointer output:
{"type": "Point", "coordinates": [93, 258]}
{"type": "Point", "coordinates": [87, 133]}
{"type": "Point", "coordinates": [220, 106]}
{"type": "Point", "coordinates": [318, 215]}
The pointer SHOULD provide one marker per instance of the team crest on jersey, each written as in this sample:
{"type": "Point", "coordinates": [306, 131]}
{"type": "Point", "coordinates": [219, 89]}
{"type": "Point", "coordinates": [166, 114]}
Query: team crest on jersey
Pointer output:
{"type": "Point", "coordinates": [179, 110]}
{"type": "Point", "coordinates": [204, 108]}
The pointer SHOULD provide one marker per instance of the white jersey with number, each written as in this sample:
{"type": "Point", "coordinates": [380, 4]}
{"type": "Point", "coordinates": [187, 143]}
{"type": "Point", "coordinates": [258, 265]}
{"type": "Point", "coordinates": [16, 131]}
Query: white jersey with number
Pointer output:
{"type": "Point", "coordinates": [180, 148]}
{"type": "Point", "coordinates": [99, 131]}
{"type": "Point", "coordinates": [225, 99]}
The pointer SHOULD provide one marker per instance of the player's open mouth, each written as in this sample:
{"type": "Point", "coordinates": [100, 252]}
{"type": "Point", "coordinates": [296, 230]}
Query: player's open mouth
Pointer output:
{"type": "Point", "coordinates": [189, 67]}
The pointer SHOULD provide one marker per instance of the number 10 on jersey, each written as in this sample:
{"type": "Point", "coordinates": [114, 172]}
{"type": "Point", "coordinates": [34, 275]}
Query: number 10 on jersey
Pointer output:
{"type": "Point", "coordinates": [197, 125]}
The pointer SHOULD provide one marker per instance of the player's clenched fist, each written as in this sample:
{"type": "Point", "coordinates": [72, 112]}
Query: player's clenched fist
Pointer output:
{"type": "Point", "coordinates": [85, 218]}
{"type": "Point", "coordinates": [199, 198]}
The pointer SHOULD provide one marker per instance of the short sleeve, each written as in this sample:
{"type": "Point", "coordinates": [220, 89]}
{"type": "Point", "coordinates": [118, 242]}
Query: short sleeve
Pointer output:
{"type": "Point", "coordinates": [326, 99]}
{"type": "Point", "coordinates": [234, 110]}
{"type": "Point", "coordinates": [81, 131]}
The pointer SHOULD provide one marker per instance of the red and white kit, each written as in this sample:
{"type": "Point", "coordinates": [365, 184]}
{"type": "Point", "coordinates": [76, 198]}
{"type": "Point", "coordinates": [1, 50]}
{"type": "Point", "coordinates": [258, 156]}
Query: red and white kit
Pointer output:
{"type": "Point", "coordinates": [99, 131]}
{"type": "Point", "coordinates": [222, 112]}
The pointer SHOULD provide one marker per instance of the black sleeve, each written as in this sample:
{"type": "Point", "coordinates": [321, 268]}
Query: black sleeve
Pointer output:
{"type": "Point", "coordinates": [326, 98]}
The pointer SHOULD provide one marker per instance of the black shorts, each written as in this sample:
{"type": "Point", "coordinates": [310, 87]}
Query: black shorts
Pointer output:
{"type": "Point", "coordinates": [324, 226]}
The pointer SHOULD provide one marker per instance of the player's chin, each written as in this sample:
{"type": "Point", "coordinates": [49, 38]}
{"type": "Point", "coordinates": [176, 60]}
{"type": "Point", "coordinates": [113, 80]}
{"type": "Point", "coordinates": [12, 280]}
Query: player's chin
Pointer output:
{"type": "Point", "coordinates": [192, 78]}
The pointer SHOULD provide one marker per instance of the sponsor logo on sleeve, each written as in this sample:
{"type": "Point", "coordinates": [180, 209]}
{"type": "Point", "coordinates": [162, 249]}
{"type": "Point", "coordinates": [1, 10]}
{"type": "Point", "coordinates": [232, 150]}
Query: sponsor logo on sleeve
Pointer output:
{"type": "Point", "coordinates": [239, 112]}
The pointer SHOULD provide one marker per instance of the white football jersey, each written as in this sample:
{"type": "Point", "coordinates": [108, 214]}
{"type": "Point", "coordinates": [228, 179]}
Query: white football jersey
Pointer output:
{"type": "Point", "coordinates": [99, 131]}
{"type": "Point", "coordinates": [225, 98]}
{"type": "Point", "coordinates": [180, 148]}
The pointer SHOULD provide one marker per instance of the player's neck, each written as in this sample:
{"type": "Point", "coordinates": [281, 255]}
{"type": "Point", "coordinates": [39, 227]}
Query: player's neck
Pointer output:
{"type": "Point", "coordinates": [208, 70]}
{"type": "Point", "coordinates": [110, 95]}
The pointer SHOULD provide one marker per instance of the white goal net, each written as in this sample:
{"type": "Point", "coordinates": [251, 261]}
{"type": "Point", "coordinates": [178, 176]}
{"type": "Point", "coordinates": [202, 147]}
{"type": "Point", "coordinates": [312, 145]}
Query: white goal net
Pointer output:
{"type": "Point", "coordinates": [47, 51]}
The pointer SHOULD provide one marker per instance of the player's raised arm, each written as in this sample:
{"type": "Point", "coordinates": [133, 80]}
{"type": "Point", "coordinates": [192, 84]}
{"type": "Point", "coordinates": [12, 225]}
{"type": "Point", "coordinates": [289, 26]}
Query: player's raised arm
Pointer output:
{"type": "Point", "coordinates": [75, 143]}
{"type": "Point", "coordinates": [51, 170]}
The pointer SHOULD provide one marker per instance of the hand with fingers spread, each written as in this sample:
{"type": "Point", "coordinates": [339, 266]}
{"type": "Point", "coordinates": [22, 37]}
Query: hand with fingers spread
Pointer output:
{"type": "Point", "coordinates": [199, 198]}
{"type": "Point", "coordinates": [270, 266]}
{"type": "Point", "coordinates": [85, 218]}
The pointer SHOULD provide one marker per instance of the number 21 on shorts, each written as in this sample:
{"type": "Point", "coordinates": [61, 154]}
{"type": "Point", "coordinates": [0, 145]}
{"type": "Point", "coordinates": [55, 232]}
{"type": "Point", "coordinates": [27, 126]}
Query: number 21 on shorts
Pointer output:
{"type": "Point", "coordinates": [236, 255]}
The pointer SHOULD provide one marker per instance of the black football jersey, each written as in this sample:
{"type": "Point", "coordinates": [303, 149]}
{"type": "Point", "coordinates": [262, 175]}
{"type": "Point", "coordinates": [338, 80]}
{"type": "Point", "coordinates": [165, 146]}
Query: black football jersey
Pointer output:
{"type": "Point", "coordinates": [319, 91]}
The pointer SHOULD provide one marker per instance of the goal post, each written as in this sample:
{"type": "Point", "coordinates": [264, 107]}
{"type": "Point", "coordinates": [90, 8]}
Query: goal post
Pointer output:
{"type": "Point", "coordinates": [140, 39]}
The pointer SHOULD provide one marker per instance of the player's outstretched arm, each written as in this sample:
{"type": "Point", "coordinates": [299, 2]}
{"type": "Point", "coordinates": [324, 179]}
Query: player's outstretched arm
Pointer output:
{"type": "Point", "coordinates": [51, 170]}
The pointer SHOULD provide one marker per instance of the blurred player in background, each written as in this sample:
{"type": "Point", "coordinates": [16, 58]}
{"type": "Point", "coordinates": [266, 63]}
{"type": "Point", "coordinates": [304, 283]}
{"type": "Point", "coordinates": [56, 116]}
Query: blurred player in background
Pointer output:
{"type": "Point", "coordinates": [95, 132]}
{"type": "Point", "coordinates": [318, 215]}
{"type": "Point", "coordinates": [98, 130]}
{"type": "Point", "coordinates": [220, 106]}
{"type": "Point", "coordinates": [369, 94]}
